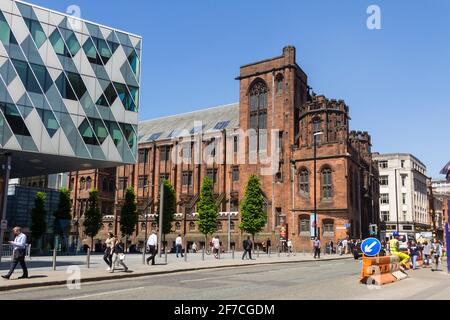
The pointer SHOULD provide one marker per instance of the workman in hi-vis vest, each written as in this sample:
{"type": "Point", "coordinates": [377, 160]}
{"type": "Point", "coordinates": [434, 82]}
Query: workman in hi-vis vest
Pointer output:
{"type": "Point", "coordinates": [394, 248]}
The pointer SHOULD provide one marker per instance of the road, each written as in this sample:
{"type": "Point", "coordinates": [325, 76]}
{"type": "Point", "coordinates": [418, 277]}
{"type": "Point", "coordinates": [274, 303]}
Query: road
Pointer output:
{"type": "Point", "coordinates": [306, 280]}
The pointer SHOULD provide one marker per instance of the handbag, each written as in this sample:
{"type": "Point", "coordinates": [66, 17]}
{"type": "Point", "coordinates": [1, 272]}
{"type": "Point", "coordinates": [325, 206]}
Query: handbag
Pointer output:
{"type": "Point", "coordinates": [121, 257]}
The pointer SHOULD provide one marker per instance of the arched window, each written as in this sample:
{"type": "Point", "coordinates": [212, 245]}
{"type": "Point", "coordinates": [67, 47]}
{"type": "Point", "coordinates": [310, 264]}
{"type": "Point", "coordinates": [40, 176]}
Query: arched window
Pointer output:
{"type": "Point", "coordinates": [219, 226]}
{"type": "Point", "coordinates": [154, 225]}
{"type": "Point", "coordinates": [110, 227]}
{"type": "Point", "coordinates": [231, 225]}
{"type": "Point", "coordinates": [191, 226]}
{"type": "Point", "coordinates": [105, 185]}
{"type": "Point", "coordinates": [82, 183]}
{"type": "Point", "coordinates": [143, 226]}
{"type": "Point", "coordinates": [177, 226]}
{"type": "Point", "coordinates": [327, 184]}
{"type": "Point", "coordinates": [258, 105]}
{"type": "Point", "coordinates": [88, 183]}
{"type": "Point", "coordinates": [304, 224]}
{"type": "Point", "coordinates": [304, 182]}
{"type": "Point", "coordinates": [316, 127]}
{"type": "Point", "coordinates": [279, 83]}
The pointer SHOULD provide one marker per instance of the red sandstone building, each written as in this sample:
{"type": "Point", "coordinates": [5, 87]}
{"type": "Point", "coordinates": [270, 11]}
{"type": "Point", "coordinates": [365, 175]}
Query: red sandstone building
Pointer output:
{"type": "Point", "coordinates": [229, 143]}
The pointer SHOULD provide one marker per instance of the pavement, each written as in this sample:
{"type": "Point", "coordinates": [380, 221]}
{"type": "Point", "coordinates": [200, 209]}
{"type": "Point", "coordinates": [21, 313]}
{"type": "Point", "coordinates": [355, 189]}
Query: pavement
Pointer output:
{"type": "Point", "coordinates": [306, 279]}
{"type": "Point", "coordinates": [72, 268]}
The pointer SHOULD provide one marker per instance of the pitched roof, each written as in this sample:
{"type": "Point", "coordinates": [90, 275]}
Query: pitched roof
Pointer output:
{"type": "Point", "coordinates": [210, 119]}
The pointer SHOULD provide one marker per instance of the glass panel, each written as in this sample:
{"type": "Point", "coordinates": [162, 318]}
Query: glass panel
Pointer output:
{"type": "Point", "coordinates": [125, 96]}
{"type": "Point", "coordinates": [90, 51]}
{"type": "Point", "coordinates": [115, 132]}
{"type": "Point", "coordinates": [42, 76]}
{"type": "Point", "coordinates": [87, 133]}
{"type": "Point", "coordinates": [14, 119]}
{"type": "Point", "coordinates": [110, 94]}
{"type": "Point", "coordinates": [49, 121]}
{"type": "Point", "coordinates": [102, 101]}
{"type": "Point", "coordinates": [58, 44]}
{"type": "Point", "coordinates": [133, 59]}
{"type": "Point", "coordinates": [64, 88]}
{"type": "Point", "coordinates": [25, 74]}
{"type": "Point", "coordinates": [5, 32]}
{"type": "Point", "coordinates": [77, 84]}
{"type": "Point", "coordinates": [100, 130]}
{"type": "Point", "coordinates": [73, 45]}
{"type": "Point", "coordinates": [103, 50]}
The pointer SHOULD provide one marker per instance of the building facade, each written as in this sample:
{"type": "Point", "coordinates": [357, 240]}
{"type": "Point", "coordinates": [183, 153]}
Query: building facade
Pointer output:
{"type": "Point", "coordinates": [69, 93]}
{"type": "Point", "coordinates": [268, 133]}
{"type": "Point", "coordinates": [404, 205]}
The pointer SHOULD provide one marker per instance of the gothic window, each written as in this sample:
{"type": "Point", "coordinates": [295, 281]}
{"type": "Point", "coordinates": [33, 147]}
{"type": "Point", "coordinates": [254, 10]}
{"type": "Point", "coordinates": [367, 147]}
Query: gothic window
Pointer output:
{"type": "Point", "coordinates": [82, 183]}
{"type": "Point", "coordinates": [89, 183]}
{"type": "Point", "coordinates": [258, 105]}
{"type": "Point", "coordinates": [327, 184]}
{"type": "Point", "coordinates": [279, 83]}
{"type": "Point", "coordinates": [316, 127]}
{"type": "Point", "coordinates": [304, 182]}
{"type": "Point", "coordinates": [304, 224]}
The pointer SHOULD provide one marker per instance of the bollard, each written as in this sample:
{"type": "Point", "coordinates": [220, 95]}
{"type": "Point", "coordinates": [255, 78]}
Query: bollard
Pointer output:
{"type": "Point", "coordinates": [203, 253]}
{"type": "Point", "coordinates": [257, 251]}
{"type": "Point", "coordinates": [269, 248]}
{"type": "Point", "coordinates": [88, 258]}
{"type": "Point", "coordinates": [218, 253]}
{"type": "Point", "coordinates": [185, 253]}
{"type": "Point", "coordinates": [165, 255]}
{"type": "Point", "coordinates": [278, 252]}
{"type": "Point", "coordinates": [54, 259]}
{"type": "Point", "coordinates": [143, 257]}
{"type": "Point", "coordinates": [232, 253]}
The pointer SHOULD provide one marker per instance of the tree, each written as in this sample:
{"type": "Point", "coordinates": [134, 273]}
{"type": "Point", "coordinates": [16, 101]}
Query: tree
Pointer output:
{"type": "Point", "coordinates": [92, 217]}
{"type": "Point", "coordinates": [63, 215]}
{"type": "Point", "coordinates": [253, 217]}
{"type": "Point", "coordinates": [170, 203]}
{"type": "Point", "coordinates": [207, 209]}
{"type": "Point", "coordinates": [128, 215]}
{"type": "Point", "coordinates": [38, 218]}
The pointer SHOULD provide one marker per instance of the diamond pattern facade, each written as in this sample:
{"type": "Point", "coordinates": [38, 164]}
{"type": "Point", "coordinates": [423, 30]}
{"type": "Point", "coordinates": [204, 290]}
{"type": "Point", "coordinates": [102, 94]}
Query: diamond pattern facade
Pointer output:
{"type": "Point", "coordinates": [68, 87]}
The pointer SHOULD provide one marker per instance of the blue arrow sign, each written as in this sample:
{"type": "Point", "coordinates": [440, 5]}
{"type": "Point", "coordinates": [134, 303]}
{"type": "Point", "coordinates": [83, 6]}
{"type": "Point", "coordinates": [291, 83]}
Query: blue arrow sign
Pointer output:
{"type": "Point", "coordinates": [371, 247]}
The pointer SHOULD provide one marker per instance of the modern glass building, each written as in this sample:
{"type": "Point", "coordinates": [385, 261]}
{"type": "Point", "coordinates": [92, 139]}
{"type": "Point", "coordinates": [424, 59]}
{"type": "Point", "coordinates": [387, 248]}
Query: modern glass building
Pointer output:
{"type": "Point", "coordinates": [69, 92]}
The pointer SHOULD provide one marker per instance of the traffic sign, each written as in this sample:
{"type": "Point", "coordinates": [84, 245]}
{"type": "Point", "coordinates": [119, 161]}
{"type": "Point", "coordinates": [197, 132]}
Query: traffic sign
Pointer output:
{"type": "Point", "coordinates": [4, 225]}
{"type": "Point", "coordinates": [371, 247]}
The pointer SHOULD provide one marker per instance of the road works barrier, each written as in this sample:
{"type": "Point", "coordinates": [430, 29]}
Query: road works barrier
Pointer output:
{"type": "Point", "coordinates": [381, 270]}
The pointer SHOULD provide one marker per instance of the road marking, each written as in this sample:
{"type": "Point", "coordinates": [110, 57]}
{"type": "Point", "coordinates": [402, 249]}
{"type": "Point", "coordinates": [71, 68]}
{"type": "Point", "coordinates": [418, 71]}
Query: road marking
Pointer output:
{"type": "Point", "coordinates": [103, 293]}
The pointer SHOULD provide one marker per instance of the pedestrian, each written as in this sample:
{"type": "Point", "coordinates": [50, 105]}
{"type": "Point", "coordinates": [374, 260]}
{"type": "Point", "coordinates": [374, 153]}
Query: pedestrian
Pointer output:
{"type": "Point", "coordinates": [264, 246]}
{"type": "Point", "coordinates": [19, 251]}
{"type": "Point", "coordinates": [345, 245]}
{"type": "Point", "coordinates": [110, 244]}
{"type": "Point", "coordinates": [339, 247]}
{"type": "Point", "coordinates": [414, 253]}
{"type": "Point", "coordinates": [119, 255]}
{"type": "Point", "coordinates": [152, 244]}
{"type": "Point", "coordinates": [330, 246]}
{"type": "Point", "coordinates": [247, 245]}
{"type": "Point", "coordinates": [194, 247]}
{"type": "Point", "coordinates": [289, 245]}
{"type": "Point", "coordinates": [316, 245]}
{"type": "Point", "coordinates": [216, 246]}
{"type": "Point", "coordinates": [179, 245]}
{"type": "Point", "coordinates": [269, 245]}
{"type": "Point", "coordinates": [436, 248]}
{"type": "Point", "coordinates": [426, 254]}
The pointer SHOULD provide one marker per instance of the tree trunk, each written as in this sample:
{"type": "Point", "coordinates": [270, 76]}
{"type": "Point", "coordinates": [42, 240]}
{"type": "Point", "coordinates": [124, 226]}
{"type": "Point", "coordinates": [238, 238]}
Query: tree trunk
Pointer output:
{"type": "Point", "coordinates": [126, 243]}
{"type": "Point", "coordinates": [92, 243]}
{"type": "Point", "coordinates": [253, 242]}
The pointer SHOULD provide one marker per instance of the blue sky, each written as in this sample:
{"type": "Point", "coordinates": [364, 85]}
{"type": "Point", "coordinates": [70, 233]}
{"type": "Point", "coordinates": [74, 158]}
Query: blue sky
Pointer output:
{"type": "Point", "coordinates": [395, 80]}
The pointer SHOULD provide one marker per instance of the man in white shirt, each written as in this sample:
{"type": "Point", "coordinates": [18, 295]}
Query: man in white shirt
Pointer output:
{"type": "Point", "coordinates": [152, 244]}
{"type": "Point", "coordinates": [19, 251]}
{"type": "Point", "coordinates": [216, 246]}
{"type": "Point", "coordinates": [345, 246]}
{"type": "Point", "coordinates": [179, 245]}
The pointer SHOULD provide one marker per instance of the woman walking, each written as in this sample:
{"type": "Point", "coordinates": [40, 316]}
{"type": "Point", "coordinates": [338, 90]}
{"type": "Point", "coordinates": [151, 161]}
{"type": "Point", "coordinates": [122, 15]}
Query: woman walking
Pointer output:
{"type": "Point", "coordinates": [119, 254]}
{"type": "Point", "coordinates": [110, 245]}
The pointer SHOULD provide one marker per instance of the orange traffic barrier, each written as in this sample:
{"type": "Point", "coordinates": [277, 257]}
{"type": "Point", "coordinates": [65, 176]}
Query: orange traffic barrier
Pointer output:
{"type": "Point", "coordinates": [379, 270]}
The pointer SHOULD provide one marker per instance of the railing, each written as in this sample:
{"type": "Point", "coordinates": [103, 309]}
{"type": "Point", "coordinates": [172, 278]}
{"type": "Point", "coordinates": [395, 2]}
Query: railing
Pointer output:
{"type": "Point", "coordinates": [8, 250]}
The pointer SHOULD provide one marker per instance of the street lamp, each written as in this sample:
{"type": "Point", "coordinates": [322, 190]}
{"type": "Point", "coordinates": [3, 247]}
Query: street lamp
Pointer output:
{"type": "Point", "coordinates": [315, 182]}
{"type": "Point", "coordinates": [147, 186]}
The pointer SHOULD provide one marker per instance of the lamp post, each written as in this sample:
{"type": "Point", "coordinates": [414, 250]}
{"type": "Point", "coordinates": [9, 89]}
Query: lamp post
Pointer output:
{"type": "Point", "coordinates": [315, 183]}
{"type": "Point", "coordinates": [229, 212]}
{"type": "Point", "coordinates": [147, 186]}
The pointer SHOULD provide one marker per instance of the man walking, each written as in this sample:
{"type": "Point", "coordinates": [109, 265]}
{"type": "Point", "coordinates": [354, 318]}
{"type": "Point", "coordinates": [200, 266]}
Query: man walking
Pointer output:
{"type": "Point", "coordinates": [316, 245]}
{"type": "Point", "coordinates": [216, 246]}
{"type": "Point", "coordinates": [345, 245]}
{"type": "Point", "coordinates": [19, 251]}
{"type": "Point", "coordinates": [248, 244]}
{"type": "Point", "coordinates": [151, 244]}
{"type": "Point", "coordinates": [179, 245]}
{"type": "Point", "coordinates": [437, 253]}
{"type": "Point", "coordinates": [426, 254]}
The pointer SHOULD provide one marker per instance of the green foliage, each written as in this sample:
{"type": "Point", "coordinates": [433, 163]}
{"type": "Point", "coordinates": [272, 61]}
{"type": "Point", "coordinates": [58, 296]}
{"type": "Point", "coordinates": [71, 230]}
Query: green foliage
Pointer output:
{"type": "Point", "coordinates": [38, 217]}
{"type": "Point", "coordinates": [207, 209]}
{"type": "Point", "coordinates": [128, 214]}
{"type": "Point", "coordinates": [169, 208]}
{"type": "Point", "coordinates": [253, 217]}
{"type": "Point", "coordinates": [63, 214]}
{"type": "Point", "coordinates": [92, 217]}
